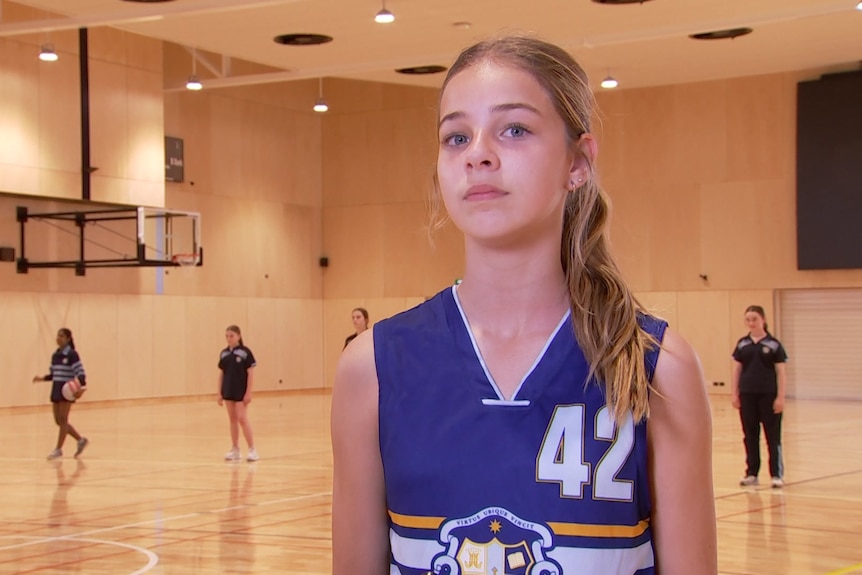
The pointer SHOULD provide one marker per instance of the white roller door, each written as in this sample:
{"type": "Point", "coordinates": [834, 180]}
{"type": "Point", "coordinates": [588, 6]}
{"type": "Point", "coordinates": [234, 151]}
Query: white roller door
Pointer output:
{"type": "Point", "coordinates": [822, 333]}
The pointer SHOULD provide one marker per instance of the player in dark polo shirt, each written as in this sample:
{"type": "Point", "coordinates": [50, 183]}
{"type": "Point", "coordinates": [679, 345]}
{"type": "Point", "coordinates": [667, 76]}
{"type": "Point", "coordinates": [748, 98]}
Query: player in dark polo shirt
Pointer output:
{"type": "Point", "coordinates": [236, 365]}
{"type": "Point", "coordinates": [65, 366]}
{"type": "Point", "coordinates": [758, 386]}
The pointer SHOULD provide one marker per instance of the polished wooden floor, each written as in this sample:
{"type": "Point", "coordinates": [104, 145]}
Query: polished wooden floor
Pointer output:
{"type": "Point", "coordinates": [152, 495]}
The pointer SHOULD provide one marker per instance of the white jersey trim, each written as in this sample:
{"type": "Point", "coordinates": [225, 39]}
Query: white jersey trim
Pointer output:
{"type": "Point", "coordinates": [501, 399]}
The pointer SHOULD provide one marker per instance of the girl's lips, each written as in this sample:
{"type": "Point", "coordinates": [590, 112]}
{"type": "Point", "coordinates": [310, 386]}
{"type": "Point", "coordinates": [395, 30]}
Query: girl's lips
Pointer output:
{"type": "Point", "coordinates": [483, 192]}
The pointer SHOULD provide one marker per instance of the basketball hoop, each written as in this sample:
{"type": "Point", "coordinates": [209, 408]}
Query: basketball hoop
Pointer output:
{"type": "Point", "coordinates": [185, 260]}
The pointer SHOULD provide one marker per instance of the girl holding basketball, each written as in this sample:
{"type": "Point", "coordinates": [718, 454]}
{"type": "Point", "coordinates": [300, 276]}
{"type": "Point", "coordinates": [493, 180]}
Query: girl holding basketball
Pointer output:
{"type": "Point", "coordinates": [66, 367]}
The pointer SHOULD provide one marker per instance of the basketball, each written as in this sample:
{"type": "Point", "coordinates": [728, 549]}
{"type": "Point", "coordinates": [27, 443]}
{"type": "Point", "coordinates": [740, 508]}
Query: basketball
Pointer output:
{"type": "Point", "coordinates": [72, 390]}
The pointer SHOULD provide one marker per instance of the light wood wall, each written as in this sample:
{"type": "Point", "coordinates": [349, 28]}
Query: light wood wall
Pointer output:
{"type": "Point", "coordinates": [701, 176]}
{"type": "Point", "coordinates": [40, 147]}
{"type": "Point", "coordinates": [379, 158]}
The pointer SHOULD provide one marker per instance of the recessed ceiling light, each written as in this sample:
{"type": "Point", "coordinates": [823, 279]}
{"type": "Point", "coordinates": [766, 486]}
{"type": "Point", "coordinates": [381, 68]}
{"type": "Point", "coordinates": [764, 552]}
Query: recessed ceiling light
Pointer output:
{"type": "Point", "coordinates": [148, 1]}
{"type": "Point", "coordinates": [722, 34]}
{"type": "Point", "coordinates": [419, 70]}
{"type": "Point", "coordinates": [462, 25]}
{"type": "Point", "coordinates": [614, 2]}
{"type": "Point", "coordinates": [859, 5]}
{"type": "Point", "coordinates": [302, 39]}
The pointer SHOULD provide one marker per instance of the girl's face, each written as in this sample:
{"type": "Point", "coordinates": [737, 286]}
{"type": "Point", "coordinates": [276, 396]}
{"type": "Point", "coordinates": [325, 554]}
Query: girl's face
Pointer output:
{"type": "Point", "coordinates": [359, 321]}
{"type": "Point", "coordinates": [505, 164]}
{"type": "Point", "coordinates": [62, 339]}
{"type": "Point", "coordinates": [232, 338]}
{"type": "Point", "coordinates": [754, 321]}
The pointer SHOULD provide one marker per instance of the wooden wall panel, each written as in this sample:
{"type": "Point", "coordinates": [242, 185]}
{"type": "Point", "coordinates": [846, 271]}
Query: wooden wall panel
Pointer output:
{"type": "Point", "coordinates": [170, 348]}
{"type": "Point", "coordinates": [310, 345]}
{"type": "Point", "coordinates": [290, 331]}
{"type": "Point", "coordinates": [405, 243]}
{"type": "Point", "coordinates": [304, 161]}
{"type": "Point", "coordinates": [349, 178]}
{"type": "Point", "coordinates": [703, 321]}
{"type": "Point", "coordinates": [671, 213]}
{"type": "Point", "coordinates": [32, 348]}
{"type": "Point", "coordinates": [135, 346]}
{"type": "Point", "coordinates": [109, 120]}
{"type": "Point", "coordinates": [698, 145]}
{"type": "Point", "coordinates": [187, 116]}
{"type": "Point", "coordinates": [761, 127]}
{"type": "Point", "coordinates": [59, 127]}
{"type": "Point", "coordinates": [204, 338]}
{"type": "Point", "coordinates": [19, 118]}
{"type": "Point", "coordinates": [102, 341]}
{"type": "Point", "coordinates": [649, 123]}
{"type": "Point", "coordinates": [260, 336]}
{"type": "Point", "coordinates": [353, 240]}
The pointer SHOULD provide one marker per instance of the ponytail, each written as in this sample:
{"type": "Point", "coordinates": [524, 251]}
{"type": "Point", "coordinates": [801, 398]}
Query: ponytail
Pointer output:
{"type": "Point", "coordinates": [604, 309]}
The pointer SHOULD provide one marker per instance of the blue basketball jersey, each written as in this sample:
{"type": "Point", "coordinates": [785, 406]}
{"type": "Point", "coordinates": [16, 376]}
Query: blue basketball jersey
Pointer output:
{"type": "Point", "coordinates": [545, 483]}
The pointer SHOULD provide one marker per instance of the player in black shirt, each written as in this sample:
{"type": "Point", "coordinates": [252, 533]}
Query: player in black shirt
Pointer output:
{"type": "Point", "coordinates": [758, 386]}
{"type": "Point", "coordinates": [236, 365]}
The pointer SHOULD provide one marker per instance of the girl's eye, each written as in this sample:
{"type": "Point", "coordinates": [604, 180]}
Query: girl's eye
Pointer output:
{"type": "Point", "coordinates": [455, 140]}
{"type": "Point", "coordinates": [516, 131]}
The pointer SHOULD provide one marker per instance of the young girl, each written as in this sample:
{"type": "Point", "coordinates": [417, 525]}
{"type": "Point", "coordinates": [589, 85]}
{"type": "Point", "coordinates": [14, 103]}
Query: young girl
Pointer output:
{"type": "Point", "coordinates": [533, 418]}
{"type": "Point", "coordinates": [65, 366]}
{"type": "Point", "coordinates": [236, 376]}
{"type": "Point", "coordinates": [757, 386]}
{"type": "Point", "coordinates": [360, 323]}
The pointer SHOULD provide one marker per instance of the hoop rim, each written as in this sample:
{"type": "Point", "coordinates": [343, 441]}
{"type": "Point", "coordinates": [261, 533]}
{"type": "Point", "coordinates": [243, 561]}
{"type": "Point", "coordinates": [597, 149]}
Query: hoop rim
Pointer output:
{"type": "Point", "coordinates": [185, 259]}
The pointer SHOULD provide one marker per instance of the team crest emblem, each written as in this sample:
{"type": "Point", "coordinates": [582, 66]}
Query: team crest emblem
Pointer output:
{"type": "Point", "coordinates": [238, 359]}
{"type": "Point", "coordinates": [765, 349]}
{"type": "Point", "coordinates": [494, 542]}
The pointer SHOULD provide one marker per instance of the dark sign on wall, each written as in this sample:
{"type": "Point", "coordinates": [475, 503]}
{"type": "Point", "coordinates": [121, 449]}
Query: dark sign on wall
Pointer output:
{"type": "Point", "coordinates": [174, 165]}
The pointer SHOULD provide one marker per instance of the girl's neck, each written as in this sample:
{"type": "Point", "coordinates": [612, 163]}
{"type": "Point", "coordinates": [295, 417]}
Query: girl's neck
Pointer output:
{"type": "Point", "coordinates": [758, 335]}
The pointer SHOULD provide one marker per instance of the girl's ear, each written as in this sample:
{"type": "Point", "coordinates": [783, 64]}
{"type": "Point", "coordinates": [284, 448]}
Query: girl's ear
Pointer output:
{"type": "Point", "coordinates": [584, 158]}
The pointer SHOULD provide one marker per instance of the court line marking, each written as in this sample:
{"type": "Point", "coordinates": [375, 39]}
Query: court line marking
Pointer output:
{"type": "Point", "coordinates": [846, 570]}
{"type": "Point", "coordinates": [160, 520]}
{"type": "Point", "coordinates": [152, 558]}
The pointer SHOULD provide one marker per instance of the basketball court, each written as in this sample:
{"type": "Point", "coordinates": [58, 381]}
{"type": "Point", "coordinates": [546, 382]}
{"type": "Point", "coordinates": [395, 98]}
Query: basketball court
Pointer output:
{"type": "Point", "coordinates": [151, 493]}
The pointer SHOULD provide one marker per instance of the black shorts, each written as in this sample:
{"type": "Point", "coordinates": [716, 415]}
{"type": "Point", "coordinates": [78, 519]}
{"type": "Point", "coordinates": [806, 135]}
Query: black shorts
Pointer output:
{"type": "Point", "coordinates": [57, 393]}
{"type": "Point", "coordinates": [233, 392]}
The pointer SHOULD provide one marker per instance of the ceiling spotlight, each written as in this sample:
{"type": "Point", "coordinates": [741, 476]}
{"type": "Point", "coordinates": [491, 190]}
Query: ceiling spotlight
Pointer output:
{"type": "Point", "coordinates": [859, 5]}
{"type": "Point", "coordinates": [47, 54]}
{"type": "Point", "coordinates": [384, 16]}
{"type": "Point", "coordinates": [194, 83]}
{"type": "Point", "coordinates": [609, 83]}
{"type": "Point", "coordinates": [320, 104]}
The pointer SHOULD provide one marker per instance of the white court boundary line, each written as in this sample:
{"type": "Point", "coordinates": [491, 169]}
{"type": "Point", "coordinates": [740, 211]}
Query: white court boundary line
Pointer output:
{"type": "Point", "coordinates": [152, 558]}
{"type": "Point", "coordinates": [81, 536]}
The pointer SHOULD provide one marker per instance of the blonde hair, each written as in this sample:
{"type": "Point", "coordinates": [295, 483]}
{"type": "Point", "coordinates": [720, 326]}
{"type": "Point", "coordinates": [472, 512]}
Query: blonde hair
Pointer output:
{"type": "Point", "coordinates": [604, 309]}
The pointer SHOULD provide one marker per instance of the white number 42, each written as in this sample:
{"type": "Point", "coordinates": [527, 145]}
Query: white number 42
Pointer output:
{"type": "Point", "coordinates": [561, 457]}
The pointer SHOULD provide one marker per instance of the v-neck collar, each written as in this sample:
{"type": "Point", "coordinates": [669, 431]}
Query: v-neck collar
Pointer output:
{"type": "Point", "coordinates": [501, 399]}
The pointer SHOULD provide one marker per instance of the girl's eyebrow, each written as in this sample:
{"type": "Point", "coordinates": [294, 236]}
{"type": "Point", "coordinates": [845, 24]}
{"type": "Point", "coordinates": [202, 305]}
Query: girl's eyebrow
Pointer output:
{"type": "Point", "coordinates": [495, 109]}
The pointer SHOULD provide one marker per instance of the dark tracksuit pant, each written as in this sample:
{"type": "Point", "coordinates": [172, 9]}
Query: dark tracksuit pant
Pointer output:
{"type": "Point", "coordinates": [756, 410]}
